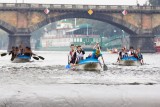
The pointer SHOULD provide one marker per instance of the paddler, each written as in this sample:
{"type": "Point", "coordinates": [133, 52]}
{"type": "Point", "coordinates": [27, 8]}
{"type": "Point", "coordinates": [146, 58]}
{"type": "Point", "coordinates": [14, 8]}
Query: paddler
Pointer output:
{"type": "Point", "coordinates": [21, 49]}
{"type": "Point", "coordinates": [131, 51]}
{"type": "Point", "coordinates": [122, 54]}
{"type": "Point", "coordinates": [17, 51]}
{"type": "Point", "coordinates": [72, 55]}
{"type": "Point", "coordinates": [139, 55]}
{"type": "Point", "coordinates": [97, 52]}
{"type": "Point", "coordinates": [28, 52]}
{"type": "Point", "coordinates": [79, 54]}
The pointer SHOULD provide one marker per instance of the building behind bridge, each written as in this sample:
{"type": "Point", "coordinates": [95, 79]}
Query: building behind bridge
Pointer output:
{"type": "Point", "coordinates": [66, 34]}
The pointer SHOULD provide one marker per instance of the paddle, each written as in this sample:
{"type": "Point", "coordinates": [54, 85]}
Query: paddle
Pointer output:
{"type": "Point", "coordinates": [36, 58]}
{"type": "Point", "coordinates": [41, 57]}
{"type": "Point", "coordinates": [68, 66]}
{"type": "Point", "coordinates": [104, 65]}
{"type": "Point", "coordinates": [3, 54]}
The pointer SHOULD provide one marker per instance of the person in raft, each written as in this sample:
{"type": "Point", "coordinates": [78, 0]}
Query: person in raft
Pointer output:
{"type": "Point", "coordinates": [123, 53]}
{"type": "Point", "coordinates": [139, 55]}
{"type": "Point", "coordinates": [28, 52]}
{"type": "Point", "coordinates": [79, 54]}
{"type": "Point", "coordinates": [21, 49]}
{"type": "Point", "coordinates": [72, 55]}
{"type": "Point", "coordinates": [131, 51]}
{"type": "Point", "coordinates": [96, 52]}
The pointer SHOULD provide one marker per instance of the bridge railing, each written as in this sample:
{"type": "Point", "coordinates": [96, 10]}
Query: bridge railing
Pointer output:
{"type": "Point", "coordinates": [73, 6]}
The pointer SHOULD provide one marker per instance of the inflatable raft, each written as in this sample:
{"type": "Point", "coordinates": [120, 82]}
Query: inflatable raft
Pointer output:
{"type": "Point", "coordinates": [89, 65]}
{"type": "Point", "coordinates": [129, 61]}
{"type": "Point", "coordinates": [21, 59]}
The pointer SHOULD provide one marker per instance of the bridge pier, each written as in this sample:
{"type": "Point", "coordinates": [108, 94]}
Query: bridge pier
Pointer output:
{"type": "Point", "coordinates": [17, 39]}
{"type": "Point", "coordinates": [144, 41]}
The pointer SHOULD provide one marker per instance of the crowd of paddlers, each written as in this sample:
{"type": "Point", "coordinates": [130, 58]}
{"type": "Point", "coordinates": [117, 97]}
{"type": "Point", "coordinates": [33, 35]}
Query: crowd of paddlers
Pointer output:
{"type": "Point", "coordinates": [130, 53]}
{"type": "Point", "coordinates": [16, 51]}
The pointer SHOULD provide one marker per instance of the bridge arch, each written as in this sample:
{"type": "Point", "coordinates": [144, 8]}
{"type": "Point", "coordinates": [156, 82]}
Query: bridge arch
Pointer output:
{"type": "Point", "coordinates": [7, 27]}
{"type": "Point", "coordinates": [127, 27]}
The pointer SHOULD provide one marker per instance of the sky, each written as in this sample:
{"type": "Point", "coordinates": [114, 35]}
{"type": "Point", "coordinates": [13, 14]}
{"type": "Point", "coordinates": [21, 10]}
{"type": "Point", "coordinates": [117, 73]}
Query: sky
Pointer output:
{"type": "Point", "coordinates": [86, 2]}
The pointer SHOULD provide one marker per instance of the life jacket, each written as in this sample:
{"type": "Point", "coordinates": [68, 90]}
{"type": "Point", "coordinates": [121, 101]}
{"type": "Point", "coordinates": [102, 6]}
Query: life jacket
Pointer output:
{"type": "Point", "coordinates": [97, 53]}
{"type": "Point", "coordinates": [79, 55]}
{"type": "Point", "coordinates": [140, 56]}
{"type": "Point", "coordinates": [21, 51]}
{"type": "Point", "coordinates": [71, 53]}
{"type": "Point", "coordinates": [123, 55]}
{"type": "Point", "coordinates": [132, 53]}
{"type": "Point", "coordinates": [28, 54]}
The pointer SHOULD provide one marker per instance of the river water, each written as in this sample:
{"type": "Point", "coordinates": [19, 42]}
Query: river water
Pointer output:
{"type": "Point", "coordinates": [52, 70]}
{"type": "Point", "coordinates": [46, 83]}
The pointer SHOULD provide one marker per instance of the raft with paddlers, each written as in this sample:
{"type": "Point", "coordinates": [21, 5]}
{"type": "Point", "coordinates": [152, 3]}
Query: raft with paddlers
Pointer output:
{"type": "Point", "coordinates": [91, 63]}
{"type": "Point", "coordinates": [25, 58]}
{"type": "Point", "coordinates": [22, 59]}
{"type": "Point", "coordinates": [129, 61]}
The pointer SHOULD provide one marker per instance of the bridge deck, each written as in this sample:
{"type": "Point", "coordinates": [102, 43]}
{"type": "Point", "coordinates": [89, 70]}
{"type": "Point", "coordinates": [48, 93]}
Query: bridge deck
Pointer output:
{"type": "Point", "coordinates": [113, 8]}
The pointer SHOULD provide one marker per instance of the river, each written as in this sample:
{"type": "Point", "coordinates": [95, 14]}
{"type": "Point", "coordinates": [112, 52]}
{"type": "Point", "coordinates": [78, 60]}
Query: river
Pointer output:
{"type": "Point", "coordinates": [51, 72]}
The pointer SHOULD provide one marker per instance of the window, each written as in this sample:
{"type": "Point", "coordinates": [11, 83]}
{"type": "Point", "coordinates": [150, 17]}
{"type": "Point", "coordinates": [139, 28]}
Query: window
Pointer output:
{"type": "Point", "coordinates": [80, 40]}
{"type": "Point", "coordinates": [77, 39]}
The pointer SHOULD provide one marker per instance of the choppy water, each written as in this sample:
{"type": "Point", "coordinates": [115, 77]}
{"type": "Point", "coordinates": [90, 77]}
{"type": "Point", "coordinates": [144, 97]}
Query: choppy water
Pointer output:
{"type": "Point", "coordinates": [52, 71]}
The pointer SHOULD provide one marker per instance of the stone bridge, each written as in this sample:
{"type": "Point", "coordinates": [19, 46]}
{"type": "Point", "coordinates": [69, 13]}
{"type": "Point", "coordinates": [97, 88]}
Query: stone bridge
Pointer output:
{"type": "Point", "coordinates": [141, 22]}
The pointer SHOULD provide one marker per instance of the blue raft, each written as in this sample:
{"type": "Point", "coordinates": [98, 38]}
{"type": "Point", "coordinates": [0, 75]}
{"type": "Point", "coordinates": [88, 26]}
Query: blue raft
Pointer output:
{"type": "Point", "coordinates": [22, 59]}
{"type": "Point", "coordinates": [130, 58]}
{"type": "Point", "coordinates": [129, 61]}
{"type": "Point", "coordinates": [89, 60]}
{"type": "Point", "coordinates": [89, 64]}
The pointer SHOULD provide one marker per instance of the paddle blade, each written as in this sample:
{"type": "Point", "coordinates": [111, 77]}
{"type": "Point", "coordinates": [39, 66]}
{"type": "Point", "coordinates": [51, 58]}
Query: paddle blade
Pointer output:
{"type": "Point", "coordinates": [68, 66]}
{"type": "Point", "coordinates": [3, 54]}
{"type": "Point", "coordinates": [105, 67]}
{"type": "Point", "coordinates": [36, 58]}
{"type": "Point", "coordinates": [41, 57]}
